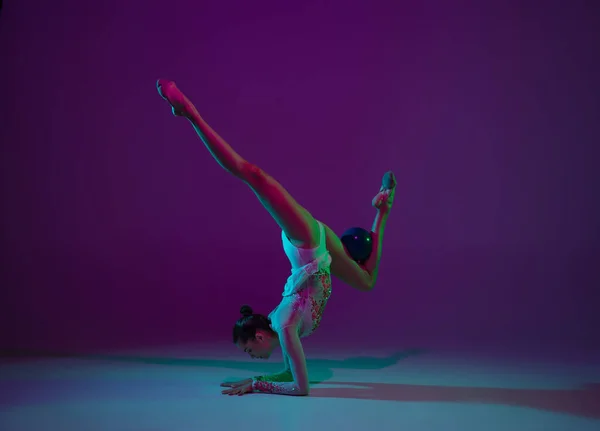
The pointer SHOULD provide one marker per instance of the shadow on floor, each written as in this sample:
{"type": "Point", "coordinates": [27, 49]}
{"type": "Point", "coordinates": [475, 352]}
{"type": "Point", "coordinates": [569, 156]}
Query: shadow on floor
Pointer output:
{"type": "Point", "coordinates": [584, 401]}
{"type": "Point", "coordinates": [320, 370]}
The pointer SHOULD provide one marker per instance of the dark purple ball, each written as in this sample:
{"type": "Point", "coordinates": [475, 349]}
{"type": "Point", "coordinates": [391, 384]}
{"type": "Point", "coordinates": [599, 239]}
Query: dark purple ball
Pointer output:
{"type": "Point", "coordinates": [358, 243]}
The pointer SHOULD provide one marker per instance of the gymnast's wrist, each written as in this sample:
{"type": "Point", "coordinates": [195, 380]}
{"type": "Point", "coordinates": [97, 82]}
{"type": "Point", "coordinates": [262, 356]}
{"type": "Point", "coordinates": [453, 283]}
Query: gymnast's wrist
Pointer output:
{"type": "Point", "coordinates": [256, 381]}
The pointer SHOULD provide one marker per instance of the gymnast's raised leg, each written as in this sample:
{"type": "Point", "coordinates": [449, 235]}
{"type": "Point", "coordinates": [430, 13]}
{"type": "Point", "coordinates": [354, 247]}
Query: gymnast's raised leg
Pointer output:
{"type": "Point", "coordinates": [297, 223]}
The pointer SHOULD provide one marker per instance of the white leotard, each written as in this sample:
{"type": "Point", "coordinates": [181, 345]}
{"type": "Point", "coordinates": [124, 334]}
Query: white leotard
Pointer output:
{"type": "Point", "coordinates": [307, 289]}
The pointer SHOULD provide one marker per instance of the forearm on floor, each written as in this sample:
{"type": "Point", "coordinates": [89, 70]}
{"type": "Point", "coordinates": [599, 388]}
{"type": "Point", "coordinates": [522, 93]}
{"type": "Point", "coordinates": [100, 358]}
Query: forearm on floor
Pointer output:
{"type": "Point", "coordinates": [278, 388]}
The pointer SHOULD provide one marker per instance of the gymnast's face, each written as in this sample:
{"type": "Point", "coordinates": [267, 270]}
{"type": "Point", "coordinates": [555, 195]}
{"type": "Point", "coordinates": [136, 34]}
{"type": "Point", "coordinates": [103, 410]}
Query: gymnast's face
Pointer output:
{"type": "Point", "coordinates": [261, 347]}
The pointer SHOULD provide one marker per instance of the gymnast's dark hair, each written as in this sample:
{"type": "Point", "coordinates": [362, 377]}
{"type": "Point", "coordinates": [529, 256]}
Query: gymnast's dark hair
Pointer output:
{"type": "Point", "coordinates": [245, 328]}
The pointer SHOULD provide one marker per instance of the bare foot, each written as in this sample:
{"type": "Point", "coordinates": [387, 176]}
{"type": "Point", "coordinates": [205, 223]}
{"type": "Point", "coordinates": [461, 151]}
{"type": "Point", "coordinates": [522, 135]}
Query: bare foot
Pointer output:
{"type": "Point", "coordinates": [384, 200]}
{"type": "Point", "coordinates": [180, 104]}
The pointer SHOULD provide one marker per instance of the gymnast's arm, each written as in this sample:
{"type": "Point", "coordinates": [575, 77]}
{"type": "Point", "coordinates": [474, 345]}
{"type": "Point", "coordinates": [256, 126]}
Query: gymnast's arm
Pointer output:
{"type": "Point", "coordinates": [292, 349]}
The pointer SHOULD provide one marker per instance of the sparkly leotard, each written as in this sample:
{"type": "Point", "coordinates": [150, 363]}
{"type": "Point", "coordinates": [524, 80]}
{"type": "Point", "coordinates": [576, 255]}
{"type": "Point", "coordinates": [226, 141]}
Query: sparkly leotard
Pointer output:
{"type": "Point", "coordinates": [304, 298]}
{"type": "Point", "coordinates": [307, 289]}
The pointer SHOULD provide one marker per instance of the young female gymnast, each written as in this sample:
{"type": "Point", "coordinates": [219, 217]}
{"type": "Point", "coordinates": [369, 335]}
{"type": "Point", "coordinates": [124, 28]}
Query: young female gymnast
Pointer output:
{"type": "Point", "coordinates": [314, 250]}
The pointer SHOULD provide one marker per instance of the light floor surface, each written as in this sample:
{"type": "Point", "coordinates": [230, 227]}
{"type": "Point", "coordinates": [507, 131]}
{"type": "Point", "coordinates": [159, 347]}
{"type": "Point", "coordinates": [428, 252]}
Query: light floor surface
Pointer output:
{"type": "Point", "coordinates": [177, 388]}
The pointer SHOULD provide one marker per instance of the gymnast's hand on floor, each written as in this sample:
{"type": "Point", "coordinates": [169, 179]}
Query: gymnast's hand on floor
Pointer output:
{"type": "Point", "coordinates": [235, 384]}
{"type": "Point", "coordinates": [246, 388]}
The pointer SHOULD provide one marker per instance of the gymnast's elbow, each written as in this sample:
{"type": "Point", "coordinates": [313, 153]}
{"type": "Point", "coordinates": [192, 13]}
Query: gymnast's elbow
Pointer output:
{"type": "Point", "coordinates": [301, 388]}
{"type": "Point", "coordinates": [302, 392]}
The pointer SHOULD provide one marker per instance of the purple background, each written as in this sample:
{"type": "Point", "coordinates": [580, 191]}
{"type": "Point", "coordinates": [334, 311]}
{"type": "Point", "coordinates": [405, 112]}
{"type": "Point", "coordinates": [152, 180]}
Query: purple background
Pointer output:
{"type": "Point", "coordinates": [119, 229]}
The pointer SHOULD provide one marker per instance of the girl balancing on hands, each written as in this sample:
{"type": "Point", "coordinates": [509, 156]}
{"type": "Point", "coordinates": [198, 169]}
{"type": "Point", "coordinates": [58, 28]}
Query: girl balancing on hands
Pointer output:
{"type": "Point", "coordinates": [314, 250]}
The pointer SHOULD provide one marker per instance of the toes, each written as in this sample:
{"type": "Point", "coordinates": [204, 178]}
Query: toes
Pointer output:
{"type": "Point", "coordinates": [162, 85]}
{"type": "Point", "coordinates": [389, 180]}
{"type": "Point", "coordinates": [159, 86]}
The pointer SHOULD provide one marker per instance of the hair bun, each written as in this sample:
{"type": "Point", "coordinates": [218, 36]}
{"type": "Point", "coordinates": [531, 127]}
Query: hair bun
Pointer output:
{"type": "Point", "coordinates": [246, 310]}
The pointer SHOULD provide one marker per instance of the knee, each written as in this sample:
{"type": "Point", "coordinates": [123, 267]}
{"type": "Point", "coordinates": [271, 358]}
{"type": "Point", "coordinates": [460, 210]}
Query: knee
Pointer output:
{"type": "Point", "coordinates": [252, 174]}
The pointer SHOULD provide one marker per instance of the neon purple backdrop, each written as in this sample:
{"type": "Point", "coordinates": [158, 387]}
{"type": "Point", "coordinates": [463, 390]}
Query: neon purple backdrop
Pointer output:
{"type": "Point", "coordinates": [118, 228]}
